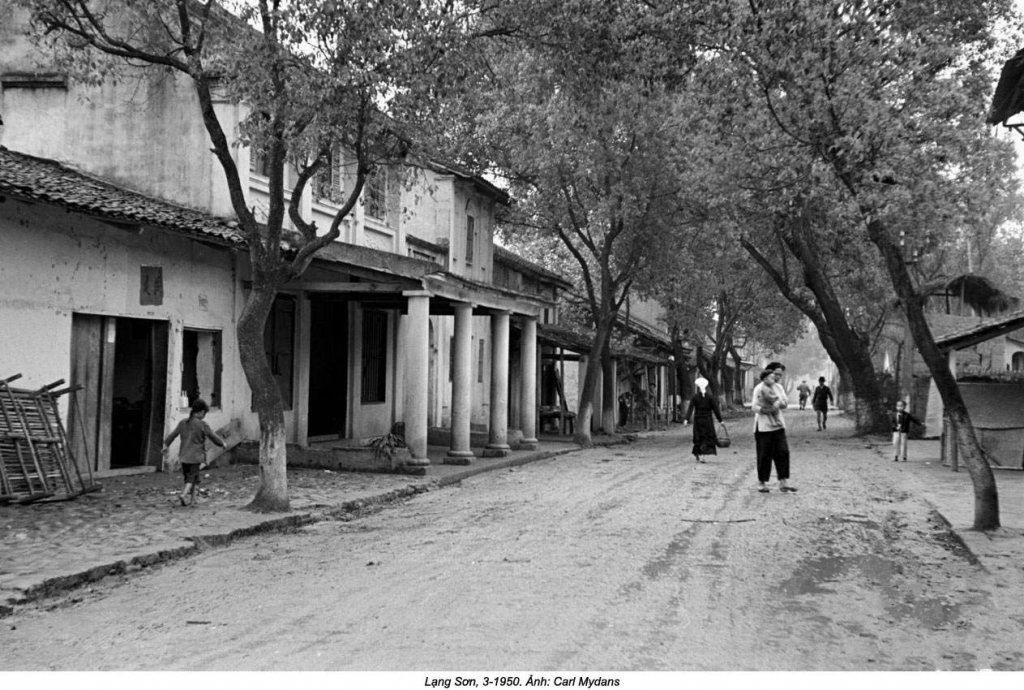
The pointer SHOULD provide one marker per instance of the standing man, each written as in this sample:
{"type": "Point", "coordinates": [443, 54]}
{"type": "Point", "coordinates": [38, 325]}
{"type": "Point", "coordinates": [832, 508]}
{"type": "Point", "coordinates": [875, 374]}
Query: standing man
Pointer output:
{"type": "Point", "coordinates": [770, 441]}
{"type": "Point", "coordinates": [805, 392]}
{"type": "Point", "coordinates": [820, 400]}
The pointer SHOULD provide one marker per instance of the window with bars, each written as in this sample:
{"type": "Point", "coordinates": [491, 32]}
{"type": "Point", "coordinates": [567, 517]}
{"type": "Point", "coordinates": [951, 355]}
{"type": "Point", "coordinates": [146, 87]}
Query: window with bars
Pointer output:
{"type": "Point", "coordinates": [470, 238]}
{"type": "Point", "coordinates": [375, 194]}
{"type": "Point", "coordinates": [481, 354]}
{"type": "Point", "coordinates": [374, 377]}
{"type": "Point", "coordinates": [279, 344]}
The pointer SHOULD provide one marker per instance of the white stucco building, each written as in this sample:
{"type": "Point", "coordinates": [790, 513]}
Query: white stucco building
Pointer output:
{"type": "Point", "coordinates": [122, 271]}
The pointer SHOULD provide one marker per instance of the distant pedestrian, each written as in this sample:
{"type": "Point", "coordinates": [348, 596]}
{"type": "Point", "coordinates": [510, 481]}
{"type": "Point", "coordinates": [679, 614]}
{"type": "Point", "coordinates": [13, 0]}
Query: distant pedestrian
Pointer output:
{"type": "Point", "coordinates": [702, 408]}
{"type": "Point", "coordinates": [192, 453]}
{"type": "Point", "coordinates": [805, 391]}
{"type": "Point", "coordinates": [770, 441]}
{"type": "Point", "coordinates": [901, 421]}
{"type": "Point", "coordinates": [820, 400]}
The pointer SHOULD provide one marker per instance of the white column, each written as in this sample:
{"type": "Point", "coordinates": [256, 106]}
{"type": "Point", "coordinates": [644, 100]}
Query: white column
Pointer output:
{"type": "Point", "coordinates": [459, 453]}
{"type": "Point", "coordinates": [497, 439]}
{"type": "Point", "coordinates": [528, 401]}
{"type": "Point", "coordinates": [416, 332]}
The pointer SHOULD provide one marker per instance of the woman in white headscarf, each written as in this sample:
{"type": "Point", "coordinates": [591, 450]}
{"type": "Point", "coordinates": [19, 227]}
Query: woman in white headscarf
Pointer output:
{"type": "Point", "coordinates": [704, 410]}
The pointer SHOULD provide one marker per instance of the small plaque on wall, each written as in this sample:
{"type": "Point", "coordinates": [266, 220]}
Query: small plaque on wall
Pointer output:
{"type": "Point", "coordinates": [152, 285]}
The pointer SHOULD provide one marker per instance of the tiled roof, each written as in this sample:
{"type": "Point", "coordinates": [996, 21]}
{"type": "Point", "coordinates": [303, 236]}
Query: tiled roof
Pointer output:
{"type": "Point", "coordinates": [573, 340]}
{"type": "Point", "coordinates": [37, 179]}
{"type": "Point", "coordinates": [479, 182]}
{"type": "Point", "coordinates": [639, 328]}
{"type": "Point", "coordinates": [502, 255]}
{"type": "Point", "coordinates": [985, 330]}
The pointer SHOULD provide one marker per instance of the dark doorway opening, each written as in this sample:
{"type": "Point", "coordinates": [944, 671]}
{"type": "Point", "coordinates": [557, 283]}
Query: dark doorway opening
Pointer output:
{"type": "Point", "coordinates": [121, 364]}
{"type": "Point", "coordinates": [328, 368]}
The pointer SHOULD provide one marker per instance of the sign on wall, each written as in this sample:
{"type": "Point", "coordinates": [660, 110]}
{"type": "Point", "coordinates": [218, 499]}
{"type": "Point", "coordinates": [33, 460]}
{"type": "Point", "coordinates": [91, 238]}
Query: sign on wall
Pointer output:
{"type": "Point", "coordinates": [151, 285]}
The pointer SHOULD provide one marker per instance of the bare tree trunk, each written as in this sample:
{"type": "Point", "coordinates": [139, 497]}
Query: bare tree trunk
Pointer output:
{"type": "Point", "coordinates": [847, 349]}
{"type": "Point", "coordinates": [986, 498]}
{"type": "Point", "coordinates": [680, 371]}
{"type": "Point", "coordinates": [852, 348]}
{"type": "Point", "coordinates": [585, 415]}
{"type": "Point", "coordinates": [272, 495]}
{"type": "Point", "coordinates": [738, 374]}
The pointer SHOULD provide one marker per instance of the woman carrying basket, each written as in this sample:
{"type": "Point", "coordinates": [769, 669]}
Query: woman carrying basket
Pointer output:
{"type": "Point", "coordinates": [704, 410]}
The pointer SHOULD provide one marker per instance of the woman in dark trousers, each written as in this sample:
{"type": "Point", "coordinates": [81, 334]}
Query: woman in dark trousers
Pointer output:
{"type": "Point", "coordinates": [703, 409]}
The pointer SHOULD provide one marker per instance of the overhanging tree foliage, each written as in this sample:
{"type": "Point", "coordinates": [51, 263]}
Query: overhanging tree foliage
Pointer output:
{"type": "Point", "coordinates": [887, 100]}
{"type": "Point", "coordinates": [317, 79]}
{"type": "Point", "coordinates": [715, 299]}
{"type": "Point", "coordinates": [573, 105]}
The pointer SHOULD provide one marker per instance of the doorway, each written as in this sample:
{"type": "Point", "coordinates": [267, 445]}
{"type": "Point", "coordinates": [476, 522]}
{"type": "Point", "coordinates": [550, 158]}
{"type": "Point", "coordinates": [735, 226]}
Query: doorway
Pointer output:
{"type": "Point", "coordinates": [328, 368]}
{"type": "Point", "coordinates": [432, 416]}
{"type": "Point", "coordinates": [121, 363]}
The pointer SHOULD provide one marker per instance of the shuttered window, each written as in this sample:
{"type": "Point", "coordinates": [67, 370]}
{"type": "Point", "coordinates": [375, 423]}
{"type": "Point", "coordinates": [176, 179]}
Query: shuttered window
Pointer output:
{"type": "Point", "coordinates": [470, 238]}
{"type": "Point", "coordinates": [328, 182]}
{"type": "Point", "coordinates": [375, 336]}
{"type": "Point", "coordinates": [375, 194]}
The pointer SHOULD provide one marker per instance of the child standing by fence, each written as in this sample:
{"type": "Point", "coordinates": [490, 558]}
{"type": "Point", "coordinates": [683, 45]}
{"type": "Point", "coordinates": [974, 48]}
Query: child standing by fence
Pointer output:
{"type": "Point", "coordinates": [901, 421]}
{"type": "Point", "coordinates": [193, 432]}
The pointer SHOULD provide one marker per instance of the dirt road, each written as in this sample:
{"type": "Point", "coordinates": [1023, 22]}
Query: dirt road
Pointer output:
{"type": "Point", "coordinates": [630, 558]}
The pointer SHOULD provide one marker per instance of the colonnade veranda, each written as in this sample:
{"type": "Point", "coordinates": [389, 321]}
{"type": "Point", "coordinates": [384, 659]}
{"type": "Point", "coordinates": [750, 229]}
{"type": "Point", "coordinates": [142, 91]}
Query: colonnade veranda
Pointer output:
{"type": "Point", "coordinates": [416, 323]}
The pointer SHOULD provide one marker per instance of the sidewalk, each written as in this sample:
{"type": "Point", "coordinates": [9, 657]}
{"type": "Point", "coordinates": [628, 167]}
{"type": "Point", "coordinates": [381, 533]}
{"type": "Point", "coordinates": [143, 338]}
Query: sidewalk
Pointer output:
{"type": "Point", "coordinates": [135, 521]}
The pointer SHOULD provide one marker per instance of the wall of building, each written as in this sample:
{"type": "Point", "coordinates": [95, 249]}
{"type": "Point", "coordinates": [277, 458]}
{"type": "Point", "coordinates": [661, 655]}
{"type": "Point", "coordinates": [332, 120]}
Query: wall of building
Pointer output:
{"type": "Point", "coordinates": [56, 264]}
{"type": "Point", "coordinates": [647, 312]}
{"type": "Point", "coordinates": [427, 207]}
{"type": "Point", "coordinates": [988, 357]}
{"type": "Point", "coordinates": [143, 134]}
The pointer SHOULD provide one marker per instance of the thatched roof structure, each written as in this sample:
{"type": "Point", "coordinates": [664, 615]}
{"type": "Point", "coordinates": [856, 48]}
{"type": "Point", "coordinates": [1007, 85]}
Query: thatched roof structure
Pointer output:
{"type": "Point", "coordinates": [976, 291]}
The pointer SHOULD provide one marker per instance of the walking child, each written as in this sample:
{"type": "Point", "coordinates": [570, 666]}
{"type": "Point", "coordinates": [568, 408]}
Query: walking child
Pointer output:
{"type": "Point", "coordinates": [193, 432]}
{"type": "Point", "coordinates": [901, 421]}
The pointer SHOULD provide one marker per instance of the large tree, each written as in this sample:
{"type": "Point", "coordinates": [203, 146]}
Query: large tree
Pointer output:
{"type": "Point", "coordinates": [717, 302]}
{"type": "Point", "coordinates": [318, 79]}
{"type": "Point", "coordinates": [887, 100]}
{"type": "Point", "coordinates": [835, 281]}
{"type": "Point", "coordinates": [575, 105]}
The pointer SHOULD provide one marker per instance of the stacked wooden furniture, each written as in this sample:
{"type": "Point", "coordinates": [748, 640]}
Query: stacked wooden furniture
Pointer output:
{"type": "Point", "coordinates": [35, 460]}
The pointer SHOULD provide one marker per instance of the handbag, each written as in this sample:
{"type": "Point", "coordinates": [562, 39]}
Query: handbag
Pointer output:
{"type": "Point", "coordinates": [723, 440]}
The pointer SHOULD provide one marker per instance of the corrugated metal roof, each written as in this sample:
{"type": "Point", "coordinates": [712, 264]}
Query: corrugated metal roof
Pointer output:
{"type": "Point", "coordinates": [38, 179]}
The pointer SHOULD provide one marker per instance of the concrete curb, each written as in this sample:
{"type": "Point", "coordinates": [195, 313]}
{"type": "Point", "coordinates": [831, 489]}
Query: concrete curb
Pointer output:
{"type": "Point", "coordinates": [199, 543]}
{"type": "Point", "coordinates": [506, 463]}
